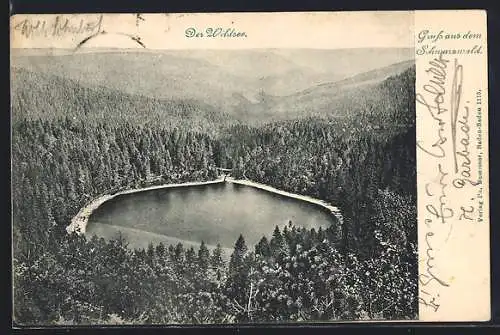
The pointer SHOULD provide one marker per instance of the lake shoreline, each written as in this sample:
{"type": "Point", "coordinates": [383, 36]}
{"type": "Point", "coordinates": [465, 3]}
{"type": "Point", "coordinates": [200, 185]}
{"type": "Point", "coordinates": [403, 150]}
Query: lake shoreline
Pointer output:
{"type": "Point", "coordinates": [332, 209]}
{"type": "Point", "coordinates": [156, 239]}
{"type": "Point", "coordinates": [80, 220]}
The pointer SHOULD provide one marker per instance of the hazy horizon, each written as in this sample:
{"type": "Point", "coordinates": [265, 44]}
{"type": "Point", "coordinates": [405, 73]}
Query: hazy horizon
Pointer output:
{"type": "Point", "coordinates": [312, 66]}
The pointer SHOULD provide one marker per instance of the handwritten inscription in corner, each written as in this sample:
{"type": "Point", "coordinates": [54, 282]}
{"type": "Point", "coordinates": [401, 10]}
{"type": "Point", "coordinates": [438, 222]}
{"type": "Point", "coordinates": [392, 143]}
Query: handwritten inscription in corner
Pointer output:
{"type": "Point", "coordinates": [58, 26]}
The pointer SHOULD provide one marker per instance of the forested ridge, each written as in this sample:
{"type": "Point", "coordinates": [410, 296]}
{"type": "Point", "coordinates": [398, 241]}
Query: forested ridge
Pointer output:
{"type": "Point", "coordinates": [56, 94]}
{"type": "Point", "coordinates": [63, 157]}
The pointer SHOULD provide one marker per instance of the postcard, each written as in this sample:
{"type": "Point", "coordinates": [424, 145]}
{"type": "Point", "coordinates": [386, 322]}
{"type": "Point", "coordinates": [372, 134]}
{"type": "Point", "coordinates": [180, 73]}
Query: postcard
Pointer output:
{"type": "Point", "coordinates": [246, 168]}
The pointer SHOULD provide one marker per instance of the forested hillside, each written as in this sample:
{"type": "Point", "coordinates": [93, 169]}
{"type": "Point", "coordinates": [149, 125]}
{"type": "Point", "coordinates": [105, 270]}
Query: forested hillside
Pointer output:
{"type": "Point", "coordinates": [71, 144]}
{"type": "Point", "coordinates": [44, 96]}
{"type": "Point", "coordinates": [175, 74]}
{"type": "Point", "coordinates": [349, 97]}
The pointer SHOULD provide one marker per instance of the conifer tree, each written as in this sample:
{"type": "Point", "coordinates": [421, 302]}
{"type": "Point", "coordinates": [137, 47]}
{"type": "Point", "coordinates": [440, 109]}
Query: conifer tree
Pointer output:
{"type": "Point", "coordinates": [278, 244]}
{"type": "Point", "coordinates": [262, 248]}
{"type": "Point", "coordinates": [239, 252]}
{"type": "Point", "coordinates": [190, 256]}
{"type": "Point", "coordinates": [203, 257]}
{"type": "Point", "coordinates": [237, 280]}
{"type": "Point", "coordinates": [216, 259]}
{"type": "Point", "coordinates": [179, 253]}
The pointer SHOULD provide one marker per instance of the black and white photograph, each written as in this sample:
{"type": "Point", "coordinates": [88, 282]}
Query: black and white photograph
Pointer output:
{"type": "Point", "coordinates": [213, 186]}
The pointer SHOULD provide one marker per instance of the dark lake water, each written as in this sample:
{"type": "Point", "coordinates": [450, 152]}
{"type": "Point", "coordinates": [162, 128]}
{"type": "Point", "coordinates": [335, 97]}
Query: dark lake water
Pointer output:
{"type": "Point", "coordinates": [214, 213]}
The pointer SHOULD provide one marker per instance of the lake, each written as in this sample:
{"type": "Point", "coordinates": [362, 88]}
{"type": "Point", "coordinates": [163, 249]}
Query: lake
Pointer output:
{"type": "Point", "coordinates": [214, 213]}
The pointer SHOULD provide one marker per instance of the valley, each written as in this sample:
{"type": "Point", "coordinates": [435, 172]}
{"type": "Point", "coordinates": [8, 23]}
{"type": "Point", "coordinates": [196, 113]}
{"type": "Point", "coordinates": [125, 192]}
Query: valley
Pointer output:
{"type": "Point", "coordinates": [334, 126]}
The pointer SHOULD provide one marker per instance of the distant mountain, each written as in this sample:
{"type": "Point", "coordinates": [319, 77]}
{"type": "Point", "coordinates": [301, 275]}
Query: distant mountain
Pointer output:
{"type": "Point", "coordinates": [209, 75]}
{"type": "Point", "coordinates": [370, 77]}
{"type": "Point", "coordinates": [249, 63]}
{"type": "Point", "coordinates": [178, 85]}
{"type": "Point", "coordinates": [342, 98]}
{"type": "Point", "coordinates": [42, 95]}
{"type": "Point", "coordinates": [157, 76]}
{"type": "Point", "coordinates": [177, 75]}
{"type": "Point", "coordinates": [346, 62]}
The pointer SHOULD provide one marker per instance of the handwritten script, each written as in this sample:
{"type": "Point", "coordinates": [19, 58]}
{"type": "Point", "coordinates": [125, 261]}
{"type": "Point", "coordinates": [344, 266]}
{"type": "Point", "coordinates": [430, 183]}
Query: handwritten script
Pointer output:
{"type": "Point", "coordinates": [59, 26]}
{"type": "Point", "coordinates": [446, 147]}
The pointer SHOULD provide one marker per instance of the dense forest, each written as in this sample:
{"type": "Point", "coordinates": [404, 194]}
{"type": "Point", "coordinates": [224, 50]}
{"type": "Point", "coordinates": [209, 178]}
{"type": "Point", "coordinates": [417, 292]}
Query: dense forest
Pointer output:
{"type": "Point", "coordinates": [65, 155]}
